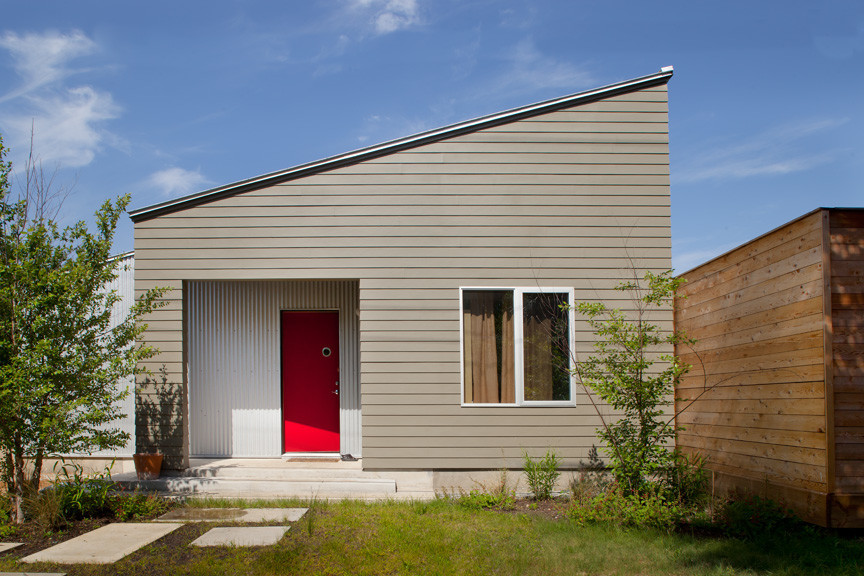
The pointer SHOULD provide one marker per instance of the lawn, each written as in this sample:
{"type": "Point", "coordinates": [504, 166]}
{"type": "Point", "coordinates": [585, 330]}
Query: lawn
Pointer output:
{"type": "Point", "coordinates": [441, 537]}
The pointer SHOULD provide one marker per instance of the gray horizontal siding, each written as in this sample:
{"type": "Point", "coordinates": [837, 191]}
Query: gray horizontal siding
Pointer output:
{"type": "Point", "coordinates": [571, 198]}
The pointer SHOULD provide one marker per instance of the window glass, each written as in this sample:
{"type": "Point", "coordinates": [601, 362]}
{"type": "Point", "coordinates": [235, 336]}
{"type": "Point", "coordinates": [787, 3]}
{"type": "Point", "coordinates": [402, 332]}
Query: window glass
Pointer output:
{"type": "Point", "coordinates": [488, 347]}
{"type": "Point", "coordinates": [546, 347]}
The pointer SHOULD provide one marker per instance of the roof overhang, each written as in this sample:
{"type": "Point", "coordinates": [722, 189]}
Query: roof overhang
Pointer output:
{"type": "Point", "coordinates": [378, 150]}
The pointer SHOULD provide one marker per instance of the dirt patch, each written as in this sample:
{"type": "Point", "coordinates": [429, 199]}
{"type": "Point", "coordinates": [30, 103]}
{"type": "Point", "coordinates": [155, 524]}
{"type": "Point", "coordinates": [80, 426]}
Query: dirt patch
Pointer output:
{"type": "Point", "coordinates": [549, 509]}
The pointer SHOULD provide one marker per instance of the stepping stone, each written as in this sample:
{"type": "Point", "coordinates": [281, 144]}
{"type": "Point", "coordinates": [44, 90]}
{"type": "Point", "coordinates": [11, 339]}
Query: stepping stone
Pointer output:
{"type": "Point", "coordinates": [4, 546]}
{"type": "Point", "coordinates": [104, 545]}
{"type": "Point", "coordinates": [250, 515]}
{"type": "Point", "coordinates": [242, 536]}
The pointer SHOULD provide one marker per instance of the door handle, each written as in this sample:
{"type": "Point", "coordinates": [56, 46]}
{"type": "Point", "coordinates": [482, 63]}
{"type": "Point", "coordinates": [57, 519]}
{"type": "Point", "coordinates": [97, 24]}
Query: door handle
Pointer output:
{"type": "Point", "coordinates": [336, 392]}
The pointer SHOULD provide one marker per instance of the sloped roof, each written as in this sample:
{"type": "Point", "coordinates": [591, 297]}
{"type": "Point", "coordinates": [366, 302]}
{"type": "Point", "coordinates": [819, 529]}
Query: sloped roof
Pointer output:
{"type": "Point", "coordinates": [378, 150]}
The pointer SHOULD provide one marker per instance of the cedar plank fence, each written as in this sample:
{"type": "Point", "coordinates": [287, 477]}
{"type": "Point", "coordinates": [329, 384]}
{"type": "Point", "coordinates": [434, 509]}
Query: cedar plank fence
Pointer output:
{"type": "Point", "coordinates": [775, 398]}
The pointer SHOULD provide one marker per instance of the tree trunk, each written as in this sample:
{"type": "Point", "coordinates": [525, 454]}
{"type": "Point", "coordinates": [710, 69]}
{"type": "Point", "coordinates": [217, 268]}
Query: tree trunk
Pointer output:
{"type": "Point", "coordinates": [18, 486]}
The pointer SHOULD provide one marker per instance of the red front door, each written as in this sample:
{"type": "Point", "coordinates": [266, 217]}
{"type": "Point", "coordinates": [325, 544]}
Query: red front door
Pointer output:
{"type": "Point", "coordinates": [310, 381]}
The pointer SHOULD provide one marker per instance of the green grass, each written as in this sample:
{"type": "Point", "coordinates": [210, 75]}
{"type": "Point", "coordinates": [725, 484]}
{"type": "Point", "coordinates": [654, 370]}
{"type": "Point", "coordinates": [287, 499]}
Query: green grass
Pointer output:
{"type": "Point", "coordinates": [440, 537]}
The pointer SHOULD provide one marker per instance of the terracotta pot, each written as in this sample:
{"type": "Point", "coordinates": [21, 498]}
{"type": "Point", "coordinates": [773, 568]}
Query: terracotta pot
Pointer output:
{"type": "Point", "coordinates": [147, 466]}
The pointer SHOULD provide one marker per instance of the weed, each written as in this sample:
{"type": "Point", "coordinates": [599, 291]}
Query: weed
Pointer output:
{"type": "Point", "coordinates": [649, 510]}
{"type": "Point", "coordinates": [542, 474]}
{"type": "Point", "coordinates": [138, 505]}
{"type": "Point", "coordinates": [687, 480]}
{"type": "Point", "coordinates": [590, 479]}
{"type": "Point", "coordinates": [498, 496]}
{"type": "Point", "coordinates": [311, 512]}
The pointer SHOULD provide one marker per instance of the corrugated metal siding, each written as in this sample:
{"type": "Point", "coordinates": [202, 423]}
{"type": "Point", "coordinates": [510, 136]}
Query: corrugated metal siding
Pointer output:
{"type": "Point", "coordinates": [124, 284]}
{"type": "Point", "coordinates": [234, 363]}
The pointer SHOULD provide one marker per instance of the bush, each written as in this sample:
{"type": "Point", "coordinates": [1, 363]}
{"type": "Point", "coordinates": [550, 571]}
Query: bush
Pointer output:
{"type": "Point", "coordinates": [648, 510]}
{"type": "Point", "coordinates": [754, 517]}
{"type": "Point", "coordinates": [138, 505]}
{"type": "Point", "coordinates": [7, 528]}
{"type": "Point", "coordinates": [542, 474]}
{"type": "Point", "coordinates": [686, 479]}
{"type": "Point", "coordinates": [80, 496]}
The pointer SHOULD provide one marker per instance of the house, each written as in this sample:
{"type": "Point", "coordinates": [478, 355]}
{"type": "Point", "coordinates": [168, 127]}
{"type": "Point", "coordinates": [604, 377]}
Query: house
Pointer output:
{"type": "Point", "coordinates": [394, 303]}
{"type": "Point", "coordinates": [775, 395]}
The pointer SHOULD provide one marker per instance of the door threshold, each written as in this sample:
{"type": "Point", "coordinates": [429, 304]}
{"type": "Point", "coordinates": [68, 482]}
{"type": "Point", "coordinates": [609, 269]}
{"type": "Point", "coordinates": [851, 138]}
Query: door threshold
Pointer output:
{"type": "Point", "coordinates": [311, 456]}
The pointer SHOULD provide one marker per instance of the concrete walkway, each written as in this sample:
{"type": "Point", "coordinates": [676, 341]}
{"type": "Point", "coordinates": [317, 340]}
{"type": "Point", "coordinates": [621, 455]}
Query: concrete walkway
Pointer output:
{"type": "Point", "coordinates": [104, 545]}
{"type": "Point", "coordinates": [4, 546]}
{"type": "Point", "coordinates": [112, 542]}
{"type": "Point", "coordinates": [245, 515]}
{"type": "Point", "coordinates": [241, 536]}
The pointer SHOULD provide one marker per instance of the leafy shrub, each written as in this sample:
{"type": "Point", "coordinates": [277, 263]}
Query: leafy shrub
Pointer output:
{"type": "Point", "coordinates": [648, 510]}
{"type": "Point", "coordinates": [686, 479]}
{"type": "Point", "coordinates": [80, 496]}
{"type": "Point", "coordinates": [138, 505]}
{"type": "Point", "coordinates": [753, 517]}
{"type": "Point", "coordinates": [542, 474]}
{"type": "Point", "coordinates": [7, 528]}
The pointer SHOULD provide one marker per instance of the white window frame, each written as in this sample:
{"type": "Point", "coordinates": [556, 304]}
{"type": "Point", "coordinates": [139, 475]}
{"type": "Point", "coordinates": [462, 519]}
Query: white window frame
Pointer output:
{"type": "Point", "coordinates": [518, 353]}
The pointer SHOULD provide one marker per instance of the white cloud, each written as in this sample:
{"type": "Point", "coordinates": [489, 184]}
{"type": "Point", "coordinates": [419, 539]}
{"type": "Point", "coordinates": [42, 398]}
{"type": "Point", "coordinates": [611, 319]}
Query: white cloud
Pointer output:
{"type": "Point", "coordinates": [177, 181]}
{"type": "Point", "coordinates": [67, 120]}
{"type": "Point", "coordinates": [41, 59]}
{"type": "Point", "coordinates": [386, 16]}
{"type": "Point", "coordinates": [529, 70]}
{"type": "Point", "coordinates": [774, 152]}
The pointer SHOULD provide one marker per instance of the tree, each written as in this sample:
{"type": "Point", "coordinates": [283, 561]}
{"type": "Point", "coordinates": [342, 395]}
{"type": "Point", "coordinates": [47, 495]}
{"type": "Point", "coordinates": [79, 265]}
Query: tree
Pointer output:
{"type": "Point", "coordinates": [622, 374]}
{"type": "Point", "coordinates": [60, 358]}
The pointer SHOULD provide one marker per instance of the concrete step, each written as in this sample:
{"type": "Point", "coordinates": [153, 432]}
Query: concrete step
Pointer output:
{"type": "Point", "coordinates": [273, 473]}
{"type": "Point", "coordinates": [258, 488]}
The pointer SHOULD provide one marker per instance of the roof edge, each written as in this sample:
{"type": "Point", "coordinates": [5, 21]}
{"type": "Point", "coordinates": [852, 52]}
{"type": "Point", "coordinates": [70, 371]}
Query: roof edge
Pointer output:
{"type": "Point", "coordinates": [392, 146]}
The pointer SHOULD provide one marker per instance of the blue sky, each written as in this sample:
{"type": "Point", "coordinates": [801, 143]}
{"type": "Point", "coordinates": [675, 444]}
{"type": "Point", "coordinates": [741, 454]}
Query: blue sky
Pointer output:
{"type": "Point", "coordinates": [161, 99]}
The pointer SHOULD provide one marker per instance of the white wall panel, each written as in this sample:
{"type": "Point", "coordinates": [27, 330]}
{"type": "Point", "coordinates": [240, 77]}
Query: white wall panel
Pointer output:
{"type": "Point", "coordinates": [124, 284]}
{"type": "Point", "coordinates": [233, 336]}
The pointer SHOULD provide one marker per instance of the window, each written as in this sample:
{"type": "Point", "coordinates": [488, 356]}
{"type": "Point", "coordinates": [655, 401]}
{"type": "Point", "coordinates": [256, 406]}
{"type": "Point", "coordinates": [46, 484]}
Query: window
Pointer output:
{"type": "Point", "coordinates": [516, 345]}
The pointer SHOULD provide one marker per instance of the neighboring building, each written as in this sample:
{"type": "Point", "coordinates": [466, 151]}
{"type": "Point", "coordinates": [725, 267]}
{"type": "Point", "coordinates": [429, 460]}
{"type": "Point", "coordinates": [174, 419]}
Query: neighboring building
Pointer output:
{"type": "Point", "coordinates": [395, 303]}
{"type": "Point", "coordinates": [96, 461]}
{"type": "Point", "coordinates": [775, 395]}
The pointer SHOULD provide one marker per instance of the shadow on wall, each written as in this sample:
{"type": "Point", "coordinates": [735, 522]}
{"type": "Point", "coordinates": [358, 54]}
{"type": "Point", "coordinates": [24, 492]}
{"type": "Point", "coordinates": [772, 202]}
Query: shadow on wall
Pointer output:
{"type": "Point", "coordinates": [159, 418]}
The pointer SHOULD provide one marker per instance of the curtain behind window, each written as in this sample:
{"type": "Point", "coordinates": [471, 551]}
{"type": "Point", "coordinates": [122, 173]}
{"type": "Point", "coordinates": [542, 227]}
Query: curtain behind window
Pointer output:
{"type": "Point", "coordinates": [488, 346]}
{"type": "Point", "coordinates": [545, 333]}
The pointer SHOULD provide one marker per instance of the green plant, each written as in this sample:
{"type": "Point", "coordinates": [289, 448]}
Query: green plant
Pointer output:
{"type": "Point", "coordinates": [590, 479]}
{"type": "Point", "coordinates": [60, 354]}
{"type": "Point", "coordinates": [498, 496]}
{"type": "Point", "coordinates": [6, 528]}
{"type": "Point", "coordinates": [622, 374]}
{"type": "Point", "coordinates": [45, 509]}
{"type": "Point", "coordinates": [138, 505]}
{"type": "Point", "coordinates": [754, 517]}
{"type": "Point", "coordinates": [542, 474]}
{"type": "Point", "coordinates": [630, 509]}
{"type": "Point", "coordinates": [686, 479]}
{"type": "Point", "coordinates": [83, 496]}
